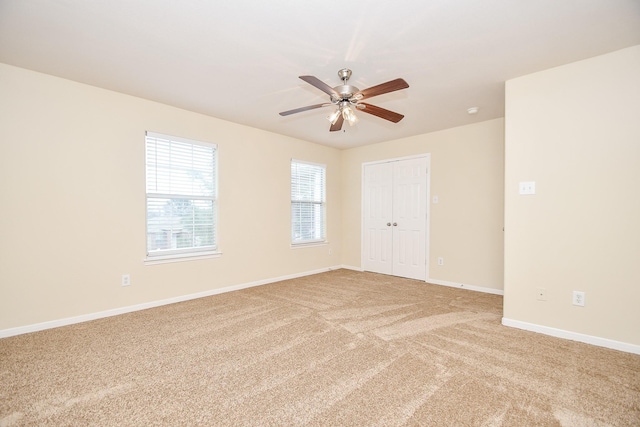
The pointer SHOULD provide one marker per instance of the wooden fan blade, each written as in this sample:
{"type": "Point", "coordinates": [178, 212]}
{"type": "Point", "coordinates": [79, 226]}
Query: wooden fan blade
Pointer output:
{"type": "Point", "coordinates": [380, 112]}
{"type": "Point", "coordinates": [314, 81]}
{"type": "Point", "coordinates": [309, 107]}
{"type": "Point", "coordinates": [338, 124]}
{"type": "Point", "coordinates": [387, 87]}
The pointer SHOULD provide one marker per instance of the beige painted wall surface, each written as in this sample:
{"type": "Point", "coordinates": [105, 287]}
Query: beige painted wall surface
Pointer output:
{"type": "Point", "coordinates": [575, 131]}
{"type": "Point", "coordinates": [73, 201]}
{"type": "Point", "coordinates": [467, 169]}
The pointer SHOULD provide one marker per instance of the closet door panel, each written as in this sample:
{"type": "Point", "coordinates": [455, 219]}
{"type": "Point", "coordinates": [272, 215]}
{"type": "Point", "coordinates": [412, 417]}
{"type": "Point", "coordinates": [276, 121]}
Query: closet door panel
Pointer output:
{"type": "Point", "coordinates": [409, 216]}
{"type": "Point", "coordinates": [377, 218]}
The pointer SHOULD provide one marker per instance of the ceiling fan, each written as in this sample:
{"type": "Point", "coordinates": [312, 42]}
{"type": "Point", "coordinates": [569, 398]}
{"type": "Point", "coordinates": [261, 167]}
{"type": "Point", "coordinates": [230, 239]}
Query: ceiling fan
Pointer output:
{"type": "Point", "coordinates": [346, 97]}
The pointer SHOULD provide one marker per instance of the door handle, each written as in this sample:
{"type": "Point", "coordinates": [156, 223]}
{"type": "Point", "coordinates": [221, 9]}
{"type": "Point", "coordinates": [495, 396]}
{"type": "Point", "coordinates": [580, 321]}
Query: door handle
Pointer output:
{"type": "Point", "coordinates": [388, 224]}
{"type": "Point", "coordinates": [395, 224]}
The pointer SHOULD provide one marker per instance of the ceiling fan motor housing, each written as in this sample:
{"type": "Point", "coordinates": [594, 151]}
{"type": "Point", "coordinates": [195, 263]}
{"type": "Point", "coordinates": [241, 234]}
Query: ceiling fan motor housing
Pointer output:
{"type": "Point", "coordinates": [346, 91]}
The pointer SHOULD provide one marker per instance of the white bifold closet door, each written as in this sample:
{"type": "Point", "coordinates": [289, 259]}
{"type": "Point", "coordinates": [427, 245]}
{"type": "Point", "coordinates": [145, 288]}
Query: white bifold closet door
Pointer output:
{"type": "Point", "coordinates": [395, 218]}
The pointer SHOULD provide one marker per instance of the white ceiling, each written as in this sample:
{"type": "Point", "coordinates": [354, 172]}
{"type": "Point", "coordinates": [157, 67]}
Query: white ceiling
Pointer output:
{"type": "Point", "coordinates": [239, 60]}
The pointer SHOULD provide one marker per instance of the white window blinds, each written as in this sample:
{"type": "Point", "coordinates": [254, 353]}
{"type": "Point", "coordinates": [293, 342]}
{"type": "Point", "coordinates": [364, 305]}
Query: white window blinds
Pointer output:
{"type": "Point", "coordinates": [181, 180]}
{"type": "Point", "coordinates": [308, 200]}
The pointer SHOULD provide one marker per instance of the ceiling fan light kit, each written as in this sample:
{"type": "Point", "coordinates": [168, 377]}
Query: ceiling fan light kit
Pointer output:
{"type": "Point", "coordinates": [347, 99]}
{"type": "Point", "coordinates": [349, 115]}
{"type": "Point", "coordinates": [333, 117]}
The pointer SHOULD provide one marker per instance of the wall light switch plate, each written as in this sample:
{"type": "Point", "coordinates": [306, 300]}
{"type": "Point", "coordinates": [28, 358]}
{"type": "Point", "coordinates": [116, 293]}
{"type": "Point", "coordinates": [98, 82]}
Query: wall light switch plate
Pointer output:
{"type": "Point", "coordinates": [528, 187]}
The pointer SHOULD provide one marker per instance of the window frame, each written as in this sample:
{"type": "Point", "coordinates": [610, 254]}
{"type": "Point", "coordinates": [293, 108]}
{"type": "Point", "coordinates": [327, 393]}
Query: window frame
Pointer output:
{"type": "Point", "coordinates": [322, 203]}
{"type": "Point", "coordinates": [192, 252]}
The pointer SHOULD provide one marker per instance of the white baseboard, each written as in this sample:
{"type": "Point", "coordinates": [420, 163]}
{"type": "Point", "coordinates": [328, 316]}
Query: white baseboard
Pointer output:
{"type": "Point", "coordinates": [350, 267]}
{"type": "Point", "coordinates": [468, 287]}
{"type": "Point", "coordinates": [444, 283]}
{"type": "Point", "coordinates": [574, 336]}
{"type": "Point", "coordinates": [116, 311]}
{"type": "Point", "coordinates": [559, 333]}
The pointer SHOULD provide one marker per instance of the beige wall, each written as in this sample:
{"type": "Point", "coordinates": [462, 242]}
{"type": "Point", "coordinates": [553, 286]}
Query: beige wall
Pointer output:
{"type": "Point", "coordinates": [72, 191]}
{"type": "Point", "coordinates": [467, 169]}
{"type": "Point", "coordinates": [575, 131]}
{"type": "Point", "coordinates": [73, 211]}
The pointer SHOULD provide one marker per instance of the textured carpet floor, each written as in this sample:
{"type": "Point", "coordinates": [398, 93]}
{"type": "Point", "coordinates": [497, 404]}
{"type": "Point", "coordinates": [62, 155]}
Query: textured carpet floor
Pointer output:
{"type": "Point", "coordinates": [341, 348]}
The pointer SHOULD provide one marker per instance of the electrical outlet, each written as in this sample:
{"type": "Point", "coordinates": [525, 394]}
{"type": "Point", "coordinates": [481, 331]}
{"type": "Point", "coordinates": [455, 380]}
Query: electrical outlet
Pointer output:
{"type": "Point", "coordinates": [126, 280]}
{"type": "Point", "coordinates": [330, 252]}
{"type": "Point", "coordinates": [440, 261]}
{"type": "Point", "coordinates": [541, 294]}
{"type": "Point", "coordinates": [578, 298]}
{"type": "Point", "coordinates": [527, 187]}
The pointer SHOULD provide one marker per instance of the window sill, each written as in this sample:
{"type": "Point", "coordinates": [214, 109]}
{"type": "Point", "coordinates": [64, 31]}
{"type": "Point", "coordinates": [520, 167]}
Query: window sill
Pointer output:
{"type": "Point", "coordinates": [308, 245]}
{"type": "Point", "coordinates": [166, 259]}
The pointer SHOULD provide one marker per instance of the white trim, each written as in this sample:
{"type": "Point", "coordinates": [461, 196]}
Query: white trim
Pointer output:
{"type": "Point", "coordinates": [166, 137]}
{"type": "Point", "coordinates": [323, 165]}
{"type": "Point", "coordinates": [351, 267]}
{"type": "Point", "coordinates": [574, 336]}
{"type": "Point", "coordinates": [395, 159]}
{"type": "Point", "coordinates": [123, 310]}
{"type": "Point", "coordinates": [467, 287]}
{"type": "Point", "coordinates": [427, 243]}
{"type": "Point", "coordinates": [309, 244]}
{"type": "Point", "coordinates": [169, 258]}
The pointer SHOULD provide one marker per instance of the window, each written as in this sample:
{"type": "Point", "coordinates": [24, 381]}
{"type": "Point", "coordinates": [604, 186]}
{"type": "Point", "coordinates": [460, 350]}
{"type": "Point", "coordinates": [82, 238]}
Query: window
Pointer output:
{"type": "Point", "coordinates": [308, 200]}
{"type": "Point", "coordinates": [181, 178]}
